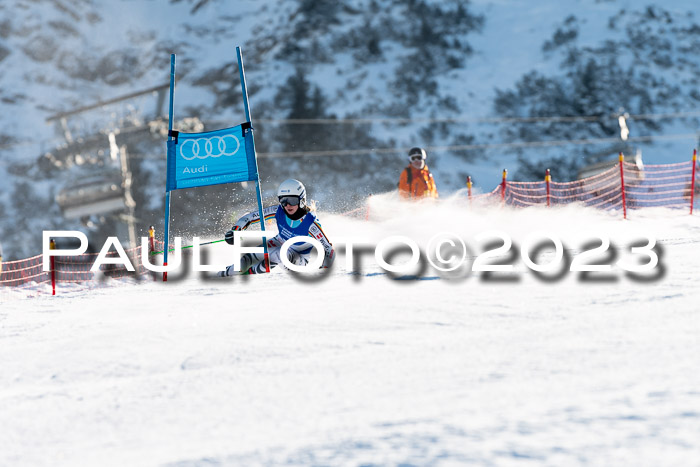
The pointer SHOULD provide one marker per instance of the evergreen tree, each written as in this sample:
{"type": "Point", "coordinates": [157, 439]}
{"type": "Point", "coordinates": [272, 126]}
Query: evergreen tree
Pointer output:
{"type": "Point", "coordinates": [592, 83]}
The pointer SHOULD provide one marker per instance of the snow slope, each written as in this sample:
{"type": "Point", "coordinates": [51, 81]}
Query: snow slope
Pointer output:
{"type": "Point", "coordinates": [365, 370]}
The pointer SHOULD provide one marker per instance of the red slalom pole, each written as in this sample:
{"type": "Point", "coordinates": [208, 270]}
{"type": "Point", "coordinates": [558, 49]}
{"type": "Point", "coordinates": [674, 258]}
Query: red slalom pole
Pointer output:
{"type": "Point", "coordinates": [622, 186]}
{"type": "Point", "coordinates": [547, 179]}
{"type": "Point", "coordinates": [503, 186]}
{"type": "Point", "coordinates": [52, 246]}
{"type": "Point", "coordinates": [692, 183]}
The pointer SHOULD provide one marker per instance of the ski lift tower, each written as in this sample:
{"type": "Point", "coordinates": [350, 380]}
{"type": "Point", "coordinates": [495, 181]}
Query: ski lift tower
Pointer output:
{"type": "Point", "coordinates": [105, 191]}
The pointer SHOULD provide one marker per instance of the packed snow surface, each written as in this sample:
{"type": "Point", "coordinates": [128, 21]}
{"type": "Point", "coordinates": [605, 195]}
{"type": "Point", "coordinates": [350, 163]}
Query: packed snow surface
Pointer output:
{"type": "Point", "coordinates": [363, 369]}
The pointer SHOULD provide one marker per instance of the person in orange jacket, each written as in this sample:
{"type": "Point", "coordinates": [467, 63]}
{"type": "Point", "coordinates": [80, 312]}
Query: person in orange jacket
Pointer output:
{"type": "Point", "coordinates": [416, 181]}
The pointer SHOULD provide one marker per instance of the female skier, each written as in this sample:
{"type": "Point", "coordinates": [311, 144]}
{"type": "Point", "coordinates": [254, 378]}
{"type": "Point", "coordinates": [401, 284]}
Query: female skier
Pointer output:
{"type": "Point", "coordinates": [294, 219]}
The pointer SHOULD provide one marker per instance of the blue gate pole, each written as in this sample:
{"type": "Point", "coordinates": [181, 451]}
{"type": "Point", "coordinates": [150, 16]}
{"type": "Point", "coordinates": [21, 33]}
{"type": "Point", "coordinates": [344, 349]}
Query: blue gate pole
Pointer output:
{"type": "Point", "coordinates": [167, 191]}
{"type": "Point", "coordinates": [244, 89]}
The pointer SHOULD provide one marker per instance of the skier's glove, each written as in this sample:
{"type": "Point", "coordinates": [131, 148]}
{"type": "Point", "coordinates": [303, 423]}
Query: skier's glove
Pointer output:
{"type": "Point", "coordinates": [228, 236]}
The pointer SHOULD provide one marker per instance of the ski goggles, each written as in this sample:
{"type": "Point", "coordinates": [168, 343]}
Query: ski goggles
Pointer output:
{"type": "Point", "coordinates": [416, 157]}
{"type": "Point", "coordinates": [289, 200]}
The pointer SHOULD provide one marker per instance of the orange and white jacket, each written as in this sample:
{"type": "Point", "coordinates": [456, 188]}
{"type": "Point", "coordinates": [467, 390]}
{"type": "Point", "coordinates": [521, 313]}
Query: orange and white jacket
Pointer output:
{"type": "Point", "coordinates": [416, 184]}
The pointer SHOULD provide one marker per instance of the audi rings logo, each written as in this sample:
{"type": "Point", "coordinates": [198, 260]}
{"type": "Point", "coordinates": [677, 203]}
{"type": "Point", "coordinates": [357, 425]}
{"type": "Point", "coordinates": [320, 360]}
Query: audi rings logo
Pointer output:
{"type": "Point", "coordinates": [215, 146]}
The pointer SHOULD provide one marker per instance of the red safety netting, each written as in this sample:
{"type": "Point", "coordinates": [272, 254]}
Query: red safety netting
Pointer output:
{"type": "Point", "coordinates": [663, 185]}
{"type": "Point", "coordinates": [600, 191]}
{"type": "Point", "coordinates": [667, 185]}
{"type": "Point", "coordinates": [489, 197]}
{"type": "Point", "coordinates": [27, 278]}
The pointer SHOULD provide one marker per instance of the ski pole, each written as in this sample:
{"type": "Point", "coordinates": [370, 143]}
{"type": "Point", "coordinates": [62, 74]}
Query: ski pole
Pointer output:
{"type": "Point", "coordinates": [189, 246]}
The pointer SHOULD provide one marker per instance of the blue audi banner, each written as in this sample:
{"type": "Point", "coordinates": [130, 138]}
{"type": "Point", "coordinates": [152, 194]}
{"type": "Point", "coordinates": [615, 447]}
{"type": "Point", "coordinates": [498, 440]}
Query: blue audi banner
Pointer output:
{"type": "Point", "coordinates": [211, 158]}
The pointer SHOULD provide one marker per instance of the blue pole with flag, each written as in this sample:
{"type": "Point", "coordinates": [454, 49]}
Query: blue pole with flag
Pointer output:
{"type": "Point", "coordinates": [244, 90]}
{"type": "Point", "coordinates": [170, 137]}
{"type": "Point", "coordinates": [211, 158]}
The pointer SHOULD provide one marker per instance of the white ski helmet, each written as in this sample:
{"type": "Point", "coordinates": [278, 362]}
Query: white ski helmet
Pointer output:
{"type": "Point", "coordinates": [292, 187]}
